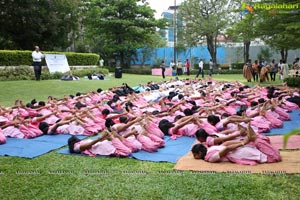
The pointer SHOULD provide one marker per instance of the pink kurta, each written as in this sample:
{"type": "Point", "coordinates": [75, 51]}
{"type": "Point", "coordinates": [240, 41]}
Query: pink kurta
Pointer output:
{"type": "Point", "coordinates": [2, 137]}
{"type": "Point", "coordinates": [247, 155]}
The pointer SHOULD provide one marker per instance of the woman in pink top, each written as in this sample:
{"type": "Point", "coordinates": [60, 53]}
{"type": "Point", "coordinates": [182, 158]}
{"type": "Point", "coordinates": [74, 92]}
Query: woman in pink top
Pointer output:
{"type": "Point", "coordinates": [240, 152]}
{"type": "Point", "coordinates": [106, 145]}
{"type": "Point", "coordinates": [219, 138]}
{"type": "Point", "coordinates": [2, 137]}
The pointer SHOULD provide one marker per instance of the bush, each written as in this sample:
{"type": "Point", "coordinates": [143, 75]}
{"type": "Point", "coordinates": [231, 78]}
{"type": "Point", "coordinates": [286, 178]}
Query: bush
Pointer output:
{"type": "Point", "coordinates": [237, 65]}
{"type": "Point", "coordinates": [27, 73]}
{"type": "Point", "coordinates": [145, 71]}
{"type": "Point", "coordinates": [216, 71]}
{"type": "Point", "coordinates": [19, 58]}
{"type": "Point", "coordinates": [293, 81]}
{"type": "Point", "coordinates": [19, 73]}
{"type": "Point", "coordinates": [86, 71]}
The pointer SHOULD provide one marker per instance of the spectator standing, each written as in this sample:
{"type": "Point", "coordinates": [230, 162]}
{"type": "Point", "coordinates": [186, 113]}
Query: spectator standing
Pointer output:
{"type": "Point", "coordinates": [200, 71]}
{"type": "Point", "coordinates": [37, 57]}
{"type": "Point", "coordinates": [187, 66]}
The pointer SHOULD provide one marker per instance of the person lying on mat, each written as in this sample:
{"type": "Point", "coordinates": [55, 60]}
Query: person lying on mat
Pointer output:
{"type": "Point", "coordinates": [109, 144]}
{"type": "Point", "coordinates": [220, 137]}
{"type": "Point", "coordinates": [241, 152]}
{"type": "Point", "coordinates": [2, 137]}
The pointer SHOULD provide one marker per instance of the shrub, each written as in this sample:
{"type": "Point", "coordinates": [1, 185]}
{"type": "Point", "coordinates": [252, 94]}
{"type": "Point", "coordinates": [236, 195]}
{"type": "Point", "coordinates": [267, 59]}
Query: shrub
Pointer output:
{"type": "Point", "coordinates": [19, 58]}
{"type": "Point", "coordinates": [26, 73]}
{"type": "Point", "coordinates": [86, 71]}
{"type": "Point", "coordinates": [237, 65]}
{"type": "Point", "coordinates": [293, 81]}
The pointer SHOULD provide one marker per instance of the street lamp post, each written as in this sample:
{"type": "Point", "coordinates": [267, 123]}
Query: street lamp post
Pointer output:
{"type": "Point", "coordinates": [174, 24]}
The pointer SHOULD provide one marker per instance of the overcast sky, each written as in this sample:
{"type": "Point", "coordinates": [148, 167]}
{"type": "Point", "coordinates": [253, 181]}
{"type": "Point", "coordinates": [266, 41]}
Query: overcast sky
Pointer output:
{"type": "Point", "coordinates": [162, 5]}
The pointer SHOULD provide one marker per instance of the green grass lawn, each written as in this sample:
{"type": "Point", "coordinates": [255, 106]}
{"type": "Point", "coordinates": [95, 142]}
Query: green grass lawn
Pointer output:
{"type": "Point", "coordinates": [56, 176]}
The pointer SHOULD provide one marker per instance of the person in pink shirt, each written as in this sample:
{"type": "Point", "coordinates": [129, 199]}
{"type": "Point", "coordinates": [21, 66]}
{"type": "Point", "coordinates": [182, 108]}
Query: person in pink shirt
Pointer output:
{"type": "Point", "coordinates": [241, 152]}
{"type": "Point", "coordinates": [2, 137]}
{"type": "Point", "coordinates": [106, 145]}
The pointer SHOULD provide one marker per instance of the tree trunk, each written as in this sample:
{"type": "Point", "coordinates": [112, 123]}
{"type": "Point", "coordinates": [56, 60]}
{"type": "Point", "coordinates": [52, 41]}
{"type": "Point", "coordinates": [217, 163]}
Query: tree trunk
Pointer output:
{"type": "Point", "coordinates": [284, 54]}
{"type": "Point", "coordinates": [246, 50]}
{"type": "Point", "coordinates": [211, 46]}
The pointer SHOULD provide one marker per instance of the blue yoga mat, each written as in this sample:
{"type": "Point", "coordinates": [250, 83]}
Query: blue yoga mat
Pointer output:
{"type": "Point", "coordinates": [287, 125]}
{"type": "Point", "coordinates": [173, 150]}
{"type": "Point", "coordinates": [30, 148]}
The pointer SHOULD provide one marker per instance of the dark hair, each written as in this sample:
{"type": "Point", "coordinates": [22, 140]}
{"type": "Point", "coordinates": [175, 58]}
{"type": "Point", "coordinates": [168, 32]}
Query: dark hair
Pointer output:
{"type": "Point", "coordinates": [261, 100]}
{"type": "Point", "coordinates": [195, 108]}
{"type": "Point", "coordinates": [164, 125]}
{"type": "Point", "coordinates": [180, 96]}
{"type": "Point", "coordinates": [192, 102]}
{"type": "Point", "coordinates": [123, 119]}
{"type": "Point", "coordinates": [33, 101]}
{"type": "Point", "coordinates": [78, 94]}
{"type": "Point", "coordinates": [109, 122]}
{"type": "Point", "coordinates": [71, 141]}
{"type": "Point", "coordinates": [42, 103]}
{"type": "Point", "coordinates": [29, 105]}
{"type": "Point", "coordinates": [99, 90]}
{"type": "Point", "coordinates": [178, 117]}
{"type": "Point", "coordinates": [201, 133]}
{"type": "Point", "coordinates": [213, 119]}
{"type": "Point", "coordinates": [155, 112]}
{"type": "Point", "coordinates": [253, 103]}
{"type": "Point", "coordinates": [225, 115]}
{"type": "Point", "coordinates": [199, 148]}
{"type": "Point", "coordinates": [243, 108]}
{"type": "Point", "coordinates": [79, 105]}
{"type": "Point", "coordinates": [188, 112]}
{"type": "Point", "coordinates": [44, 127]}
{"type": "Point", "coordinates": [105, 111]}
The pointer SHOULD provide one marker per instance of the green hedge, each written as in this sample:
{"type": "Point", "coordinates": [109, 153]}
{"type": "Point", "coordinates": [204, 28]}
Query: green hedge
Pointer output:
{"type": "Point", "coordinates": [237, 65]}
{"type": "Point", "coordinates": [19, 58]}
{"type": "Point", "coordinates": [293, 81]}
{"type": "Point", "coordinates": [193, 71]}
{"type": "Point", "coordinates": [26, 73]}
{"type": "Point", "coordinates": [222, 71]}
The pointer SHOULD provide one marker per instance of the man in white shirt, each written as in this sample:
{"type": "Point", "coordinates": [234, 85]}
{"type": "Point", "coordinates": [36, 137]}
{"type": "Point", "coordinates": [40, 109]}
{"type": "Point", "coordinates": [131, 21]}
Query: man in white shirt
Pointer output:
{"type": "Point", "coordinates": [200, 64]}
{"type": "Point", "coordinates": [211, 67]}
{"type": "Point", "coordinates": [37, 57]}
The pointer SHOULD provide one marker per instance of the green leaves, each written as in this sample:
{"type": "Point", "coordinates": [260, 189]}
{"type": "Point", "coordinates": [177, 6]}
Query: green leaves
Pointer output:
{"type": "Point", "coordinates": [120, 26]}
{"type": "Point", "coordinates": [288, 135]}
{"type": "Point", "coordinates": [43, 22]}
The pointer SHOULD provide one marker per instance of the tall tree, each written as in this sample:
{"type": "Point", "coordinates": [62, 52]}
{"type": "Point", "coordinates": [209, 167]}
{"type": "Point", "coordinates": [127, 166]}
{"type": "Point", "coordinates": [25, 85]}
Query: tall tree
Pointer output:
{"type": "Point", "coordinates": [119, 27]}
{"type": "Point", "coordinates": [204, 20]}
{"type": "Point", "coordinates": [44, 22]}
{"type": "Point", "coordinates": [280, 29]}
{"type": "Point", "coordinates": [243, 31]}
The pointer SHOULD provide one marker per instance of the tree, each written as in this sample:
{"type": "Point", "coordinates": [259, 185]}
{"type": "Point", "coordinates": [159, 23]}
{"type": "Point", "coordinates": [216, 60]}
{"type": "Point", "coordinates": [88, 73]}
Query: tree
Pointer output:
{"type": "Point", "coordinates": [204, 20]}
{"type": "Point", "coordinates": [118, 27]}
{"type": "Point", "coordinates": [243, 31]}
{"type": "Point", "coordinates": [280, 31]}
{"type": "Point", "coordinates": [37, 22]}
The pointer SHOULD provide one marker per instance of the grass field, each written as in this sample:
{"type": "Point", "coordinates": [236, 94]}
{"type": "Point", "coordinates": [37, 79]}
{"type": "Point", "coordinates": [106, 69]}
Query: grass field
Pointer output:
{"type": "Point", "coordinates": [56, 176]}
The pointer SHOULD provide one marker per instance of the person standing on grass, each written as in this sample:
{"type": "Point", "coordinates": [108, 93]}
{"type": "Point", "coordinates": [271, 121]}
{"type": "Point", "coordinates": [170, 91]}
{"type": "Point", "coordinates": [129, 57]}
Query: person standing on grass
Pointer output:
{"type": "Point", "coordinates": [273, 70]}
{"type": "Point", "coordinates": [37, 57]}
{"type": "Point", "coordinates": [179, 68]}
{"type": "Point", "coordinates": [163, 68]}
{"type": "Point", "coordinates": [200, 71]}
{"type": "Point", "coordinates": [187, 66]}
{"type": "Point", "coordinates": [211, 67]}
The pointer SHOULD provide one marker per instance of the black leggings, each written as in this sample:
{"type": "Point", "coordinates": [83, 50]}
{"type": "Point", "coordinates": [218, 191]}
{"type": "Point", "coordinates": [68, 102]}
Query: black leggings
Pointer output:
{"type": "Point", "coordinates": [37, 67]}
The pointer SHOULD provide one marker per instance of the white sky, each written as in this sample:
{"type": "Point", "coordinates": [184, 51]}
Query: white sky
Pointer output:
{"type": "Point", "coordinates": [162, 5]}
